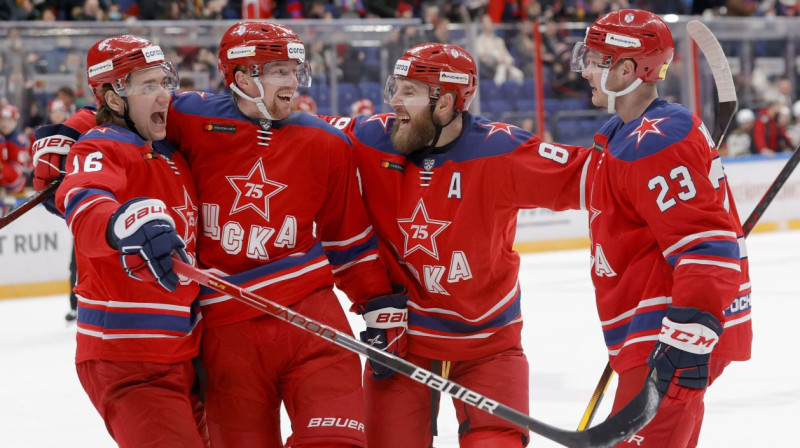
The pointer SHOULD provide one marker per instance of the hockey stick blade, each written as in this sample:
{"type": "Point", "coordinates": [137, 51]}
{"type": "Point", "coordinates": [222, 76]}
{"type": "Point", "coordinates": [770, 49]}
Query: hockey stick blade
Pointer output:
{"type": "Point", "coordinates": [728, 104]}
{"type": "Point", "coordinates": [712, 50]}
{"type": "Point", "coordinates": [615, 429]}
{"type": "Point", "coordinates": [772, 191]}
{"type": "Point", "coordinates": [35, 199]}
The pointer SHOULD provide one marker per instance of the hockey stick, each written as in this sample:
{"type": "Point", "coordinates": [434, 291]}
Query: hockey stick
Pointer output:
{"type": "Point", "coordinates": [712, 50]}
{"type": "Point", "coordinates": [35, 199]}
{"type": "Point", "coordinates": [608, 433]}
{"type": "Point", "coordinates": [772, 191]}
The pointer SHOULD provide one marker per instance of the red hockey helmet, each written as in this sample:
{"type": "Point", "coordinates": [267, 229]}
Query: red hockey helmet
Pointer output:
{"type": "Point", "coordinates": [111, 60]}
{"type": "Point", "coordinates": [362, 107]}
{"type": "Point", "coordinates": [9, 111]}
{"type": "Point", "coordinates": [443, 68]}
{"type": "Point", "coordinates": [630, 33]}
{"type": "Point", "coordinates": [305, 103]}
{"type": "Point", "coordinates": [253, 44]}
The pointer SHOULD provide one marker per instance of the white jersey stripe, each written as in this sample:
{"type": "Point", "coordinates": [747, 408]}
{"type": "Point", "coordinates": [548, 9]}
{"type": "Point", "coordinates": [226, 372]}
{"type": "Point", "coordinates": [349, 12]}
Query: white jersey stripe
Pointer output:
{"type": "Point", "coordinates": [348, 241]}
{"type": "Point", "coordinates": [721, 264]}
{"type": "Point", "coordinates": [643, 304]}
{"type": "Point", "coordinates": [687, 239]}
{"type": "Point", "coordinates": [502, 303]}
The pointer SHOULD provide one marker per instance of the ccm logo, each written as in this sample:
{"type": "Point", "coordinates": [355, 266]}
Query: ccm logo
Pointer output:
{"type": "Point", "coordinates": [331, 422]}
{"type": "Point", "coordinates": [50, 142]}
{"type": "Point", "coordinates": [143, 212]}
{"type": "Point", "coordinates": [384, 318]}
{"type": "Point", "coordinates": [687, 337]}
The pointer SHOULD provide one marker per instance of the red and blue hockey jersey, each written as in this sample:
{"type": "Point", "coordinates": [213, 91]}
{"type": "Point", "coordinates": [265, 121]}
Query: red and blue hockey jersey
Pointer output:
{"type": "Point", "coordinates": [447, 219]}
{"type": "Point", "coordinates": [14, 162]}
{"type": "Point", "coordinates": [280, 206]}
{"type": "Point", "coordinates": [664, 230]}
{"type": "Point", "coordinates": [120, 318]}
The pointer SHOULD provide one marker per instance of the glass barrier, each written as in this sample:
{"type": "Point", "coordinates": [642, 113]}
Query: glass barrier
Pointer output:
{"type": "Point", "coordinates": [351, 60]}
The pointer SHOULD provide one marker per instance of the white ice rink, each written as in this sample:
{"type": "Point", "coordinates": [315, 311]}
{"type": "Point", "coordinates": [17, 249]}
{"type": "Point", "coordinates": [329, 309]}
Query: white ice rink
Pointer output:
{"type": "Point", "coordinates": [753, 404]}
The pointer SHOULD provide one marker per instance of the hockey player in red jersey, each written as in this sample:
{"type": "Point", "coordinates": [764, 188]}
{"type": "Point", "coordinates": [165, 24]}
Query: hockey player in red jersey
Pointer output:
{"type": "Point", "coordinates": [443, 188]}
{"type": "Point", "coordinates": [14, 156]}
{"type": "Point", "coordinates": [669, 260]}
{"type": "Point", "coordinates": [130, 202]}
{"type": "Point", "coordinates": [282, 216]}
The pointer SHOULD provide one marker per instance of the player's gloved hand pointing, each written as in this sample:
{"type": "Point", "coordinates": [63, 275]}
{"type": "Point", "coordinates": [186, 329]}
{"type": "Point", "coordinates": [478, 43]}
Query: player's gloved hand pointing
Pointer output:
{"type": "Point", "coordinates": [144, 232]}
{"type": "Point", "coordinates": [681, 355]}
{"type": "Point", "coordinates": [387, 324]}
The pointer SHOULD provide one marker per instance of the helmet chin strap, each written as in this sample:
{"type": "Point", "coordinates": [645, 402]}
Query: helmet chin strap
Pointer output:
{"type": "Point", "coordinates": [612, 96]}
{"type": "Point", "coordinates": [259, 101]}
{"type": "Point", "coordinates": [126, 117]}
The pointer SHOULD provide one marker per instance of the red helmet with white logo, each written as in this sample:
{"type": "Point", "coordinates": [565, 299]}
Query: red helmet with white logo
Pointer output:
{"type": "Point", "coordinates": [362, 107]}
{"type": "Point", "coordinates": [443, 68]}
{"type": "Point", "coordinates": [254, 43]}
{"type": "Point", "coordinates": [636, 34]}
{"type": "Point", "coordinates": [111, 60]}
{"type": "Point", "coordinates": [9, 111]}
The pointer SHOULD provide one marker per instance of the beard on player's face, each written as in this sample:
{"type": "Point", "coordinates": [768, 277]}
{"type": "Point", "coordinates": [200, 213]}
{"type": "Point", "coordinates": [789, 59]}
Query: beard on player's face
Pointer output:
{"type": "Point", "coordinates": [412, 130]}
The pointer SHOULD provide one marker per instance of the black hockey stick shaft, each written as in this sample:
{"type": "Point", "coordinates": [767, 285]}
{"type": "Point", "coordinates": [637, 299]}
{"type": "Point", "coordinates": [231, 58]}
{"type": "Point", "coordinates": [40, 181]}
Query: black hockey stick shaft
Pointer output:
{"type": "Point", "coordinates": [772, 191]}
{"type": "Point", "coordinates": [35, 199]}
{"type": "Point", "coordinates": [615, 429]}
{"type": "Point", "coordinates": [728, 104]}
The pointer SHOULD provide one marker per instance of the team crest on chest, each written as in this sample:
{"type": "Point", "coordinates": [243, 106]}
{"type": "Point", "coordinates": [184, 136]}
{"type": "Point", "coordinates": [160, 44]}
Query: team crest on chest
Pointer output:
{"type": "Point", "coordinates": [420, 231]}
{"type": "Point", "coordinates": [253, 190]}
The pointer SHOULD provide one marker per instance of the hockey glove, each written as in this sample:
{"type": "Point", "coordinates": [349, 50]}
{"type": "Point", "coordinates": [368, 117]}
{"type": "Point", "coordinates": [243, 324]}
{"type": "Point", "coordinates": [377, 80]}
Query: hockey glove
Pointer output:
{"type": "Point", "coordinates": [680, 357]}
{"type": "Point", "coordinates": [145, 234]}
{"type": "Point", "coordinates": [387, 323]}
{"type": "Point", "coordinates": [50, 155]}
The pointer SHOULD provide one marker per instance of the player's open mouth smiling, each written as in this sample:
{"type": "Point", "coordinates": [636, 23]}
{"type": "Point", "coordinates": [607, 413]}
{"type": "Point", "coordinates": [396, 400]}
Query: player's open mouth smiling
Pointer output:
{"type": "Point", "coordinates": [287, 97]}
{"type": "Point", "coordinates": [159, 117]}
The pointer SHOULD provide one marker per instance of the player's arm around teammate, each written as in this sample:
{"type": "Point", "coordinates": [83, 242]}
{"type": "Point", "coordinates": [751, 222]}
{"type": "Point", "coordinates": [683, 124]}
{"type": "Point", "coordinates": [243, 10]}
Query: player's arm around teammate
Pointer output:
{"type": "Point", "coordinates": [125, 198]}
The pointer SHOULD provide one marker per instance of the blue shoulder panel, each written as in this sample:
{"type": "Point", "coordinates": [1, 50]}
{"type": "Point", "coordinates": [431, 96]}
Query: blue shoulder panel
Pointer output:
{"type": "Point", "coordinates": [310, 121]}
{"type": "Point", "coordinates": [662, 125]}
{"type": "Point", "coordinates": [375, 131]}
{"type": "Point", "coordinates": [113, 133]}
{"type": "Point", "coordinates": [204, 104]}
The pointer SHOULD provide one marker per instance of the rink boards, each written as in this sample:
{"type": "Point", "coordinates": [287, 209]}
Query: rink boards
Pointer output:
{"type": "Point", "coordinates": [35, 249]}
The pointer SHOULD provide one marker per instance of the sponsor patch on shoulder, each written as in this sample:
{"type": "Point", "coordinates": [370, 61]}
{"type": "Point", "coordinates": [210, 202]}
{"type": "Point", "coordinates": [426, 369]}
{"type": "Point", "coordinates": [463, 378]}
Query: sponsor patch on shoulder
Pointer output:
{"type": "Point", "coordinates": [389, 165]}
{"type": "Point", "coordinates": [212, 127]}
{"type": "Point", "coordinates": [149, 156]}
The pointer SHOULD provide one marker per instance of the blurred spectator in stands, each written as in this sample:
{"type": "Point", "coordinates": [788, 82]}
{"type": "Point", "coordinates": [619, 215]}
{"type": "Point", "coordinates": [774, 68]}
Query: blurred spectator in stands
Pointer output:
{"type": "Point", "coordinates": [495, 60]}
{"type": "Point", "coordinates": [16, 142]}
{"type": "Point", "coordinates": [90, 11]}
{"type": "Point", "coordinates": [67, 96]}
{"type": "Point", "coordinates": [57, 112]}
{"type": "Point", "coordinates": [769, 131]}
{"type": "Point", "coordinates": [386, 9]}
{"type": "Point", "coordinates": [304, 103]}
{"type": "Point", "coordinates": [26, 10]}
{"type": "Point", "coordinates": [739, 141]}
{"type": "Point", "coordinates": [362, 107]}
{"type": "Point", "coordinates": [320, 10]}
{"type": "Point", "coordinates": [316, 51]}
{"type": "Point", "coordinates": [793, 130]}
{"type": "Point", "coordinates": [350, 61]}
{"type": "Point", "coordinates": [186, 84]}
{"type": "Point", "coordinates": [402, 39]}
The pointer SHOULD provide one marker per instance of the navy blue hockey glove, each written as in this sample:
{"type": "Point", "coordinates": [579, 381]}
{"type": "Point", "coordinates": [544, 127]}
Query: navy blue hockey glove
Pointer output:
{"type": "Point", "coordinates": [49, 157]}
{"type": "Point", "coordinates": [144, 232]}
{"type": "Point", "coordinates": [387, 324]}
{"type": "Point", "coordinates": [680, 357]}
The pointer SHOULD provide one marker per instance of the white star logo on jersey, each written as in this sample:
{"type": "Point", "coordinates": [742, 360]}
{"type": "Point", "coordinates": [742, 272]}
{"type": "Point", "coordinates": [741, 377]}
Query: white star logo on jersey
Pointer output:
{"type": "Point", "coordinates": [422, 230]}
{"type": "Point", "coordinates": [104, 129]}
{"type": "Point", "coordinates": [498, 127]}
{"type": "Point", "coordinates": [254, 190]}
{"type": "Point", "coordinates": [188, 213]}
{"type": "Point", "coordinates": [383, 119]}
{"type": "Point", "coordinates": [647, 126]}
